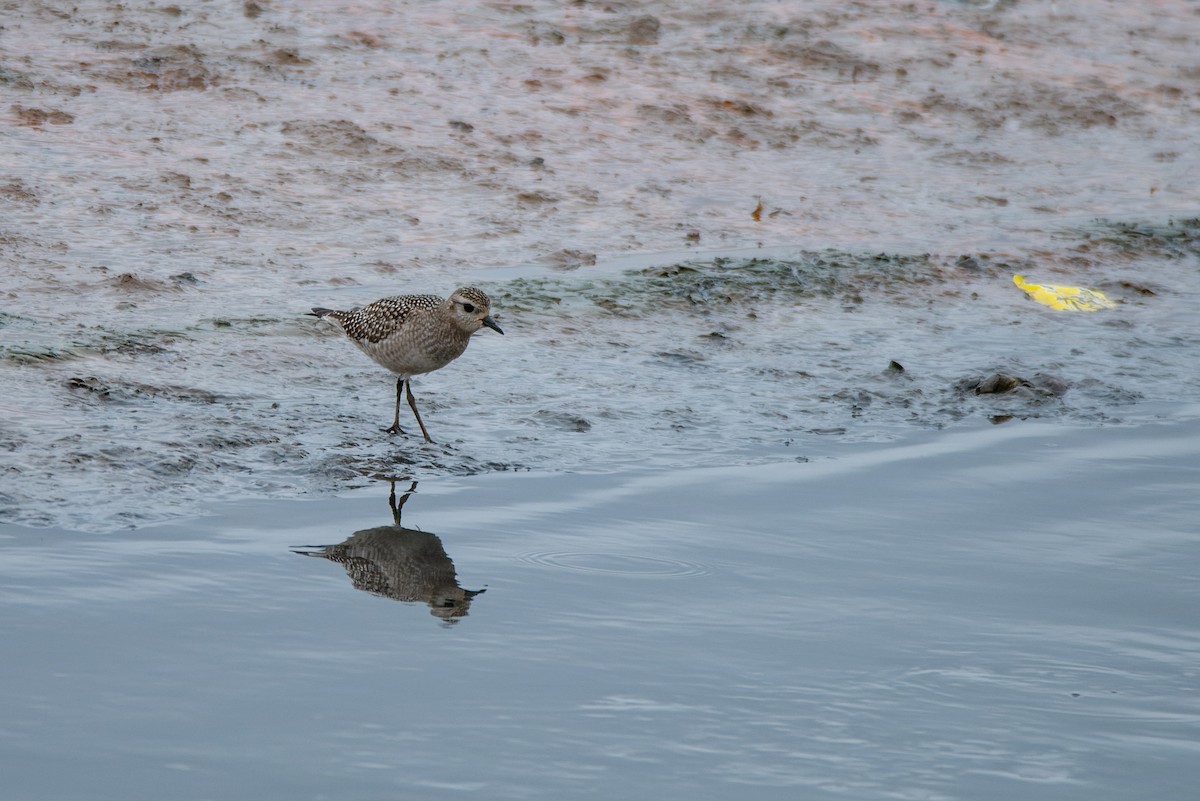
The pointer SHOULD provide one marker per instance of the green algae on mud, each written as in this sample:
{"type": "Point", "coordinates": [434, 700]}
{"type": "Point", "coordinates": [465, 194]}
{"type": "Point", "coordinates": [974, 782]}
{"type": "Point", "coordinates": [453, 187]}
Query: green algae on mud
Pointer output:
{"type": "Point", "coordinates": [28, 339]}
{"type": "Point", "coordinates": [854, 277]}
{"type": "Point", "coordinates": [1109, 240]}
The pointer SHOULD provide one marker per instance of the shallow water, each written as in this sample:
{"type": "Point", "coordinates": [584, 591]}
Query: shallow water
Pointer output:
{"type": "Point", "coordinates": [992, 613]}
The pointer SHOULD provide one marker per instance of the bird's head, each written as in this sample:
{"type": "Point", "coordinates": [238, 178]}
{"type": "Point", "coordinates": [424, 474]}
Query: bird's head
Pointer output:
{"type": "Point", "coordinates": [472, 310]}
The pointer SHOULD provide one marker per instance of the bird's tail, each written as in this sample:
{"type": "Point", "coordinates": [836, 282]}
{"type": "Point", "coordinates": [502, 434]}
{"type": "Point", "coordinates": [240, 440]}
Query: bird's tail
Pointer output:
{"type": "Point", "coordinates": [319, 312]}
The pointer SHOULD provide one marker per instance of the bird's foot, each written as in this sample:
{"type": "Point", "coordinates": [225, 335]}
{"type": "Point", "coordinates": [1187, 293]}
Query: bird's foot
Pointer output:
{"type": "Point", "coordinates": [393, 429]}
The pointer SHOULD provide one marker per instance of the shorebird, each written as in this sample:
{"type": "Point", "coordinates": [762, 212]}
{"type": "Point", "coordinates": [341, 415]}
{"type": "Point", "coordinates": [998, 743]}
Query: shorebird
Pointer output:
{"type": "Point", "coordinates": [414, 334]}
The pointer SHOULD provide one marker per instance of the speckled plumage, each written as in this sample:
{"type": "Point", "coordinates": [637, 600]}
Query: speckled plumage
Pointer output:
{"type": "Point", "coordinates": [414, 334]}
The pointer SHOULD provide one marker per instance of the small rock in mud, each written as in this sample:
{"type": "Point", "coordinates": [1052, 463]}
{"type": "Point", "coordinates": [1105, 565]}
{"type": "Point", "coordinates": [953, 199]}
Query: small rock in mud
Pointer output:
{"type": "Point", "coordinates": [1137, 289]}
{"type": "Point", "coordinates": [1001, 383]}
{"type": "Point", "coordinates": [997, 383]}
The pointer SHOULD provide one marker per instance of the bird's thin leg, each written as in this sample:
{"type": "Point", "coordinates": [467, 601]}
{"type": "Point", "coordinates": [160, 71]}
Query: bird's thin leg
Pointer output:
{"type": "Point", "coordinates": [391, 500]}
{"type": "Point", "coordinates": [395, 427]}
{"type": "Point", "coordinates": [398, 507]}
{"type": "Point", "coordinates": [413, 404]}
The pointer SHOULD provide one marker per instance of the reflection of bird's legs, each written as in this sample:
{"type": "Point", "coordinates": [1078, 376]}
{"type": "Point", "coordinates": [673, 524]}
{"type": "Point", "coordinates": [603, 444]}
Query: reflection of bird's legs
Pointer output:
{"type": "Point", "coordinates": [397, 507]}
{"type": "Point", "coordinates": [394, 428]}
{"type": "Point", "coordinates": [412, 403]}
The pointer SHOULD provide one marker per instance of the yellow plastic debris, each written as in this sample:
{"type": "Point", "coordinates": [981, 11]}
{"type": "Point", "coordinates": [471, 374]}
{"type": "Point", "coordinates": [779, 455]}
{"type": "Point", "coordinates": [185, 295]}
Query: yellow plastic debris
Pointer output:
{"type": "Point", "coordinates": [1064, 298]}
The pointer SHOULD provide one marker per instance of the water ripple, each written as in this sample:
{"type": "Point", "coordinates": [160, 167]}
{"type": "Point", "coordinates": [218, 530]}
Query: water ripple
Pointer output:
{"type": "Point", "coordinates": [622, 564]}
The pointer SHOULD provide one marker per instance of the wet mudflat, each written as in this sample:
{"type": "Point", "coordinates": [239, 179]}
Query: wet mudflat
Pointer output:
{"type": "Point", "coordinates": [776, 487]}
{"type": "Point", "coordinates": [180, 183]}
{"type": "Point", "coordinates": [685, 362]}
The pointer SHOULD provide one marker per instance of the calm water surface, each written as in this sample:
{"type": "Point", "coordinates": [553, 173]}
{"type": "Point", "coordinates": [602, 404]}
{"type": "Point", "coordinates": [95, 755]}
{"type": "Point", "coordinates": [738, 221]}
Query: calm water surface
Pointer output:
{"type": "Point", "coordinates": [1003, 612]}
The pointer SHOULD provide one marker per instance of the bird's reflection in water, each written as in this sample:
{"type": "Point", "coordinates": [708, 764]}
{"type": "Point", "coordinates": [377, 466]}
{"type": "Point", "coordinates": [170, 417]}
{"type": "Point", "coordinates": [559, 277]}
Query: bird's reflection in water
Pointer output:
{"type": "Point", "coordinates": [400, 563]}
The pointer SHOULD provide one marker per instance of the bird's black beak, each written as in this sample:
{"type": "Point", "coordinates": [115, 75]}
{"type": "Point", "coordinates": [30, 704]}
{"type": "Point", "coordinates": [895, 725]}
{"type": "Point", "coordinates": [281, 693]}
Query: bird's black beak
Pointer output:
{"type": "Point", "coordinates": [490, 323]}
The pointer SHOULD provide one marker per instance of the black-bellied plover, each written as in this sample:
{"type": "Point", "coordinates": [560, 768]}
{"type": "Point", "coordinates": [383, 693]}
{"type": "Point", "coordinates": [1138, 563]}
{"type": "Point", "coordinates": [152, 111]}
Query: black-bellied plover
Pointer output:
{"type": "Point", "coordinates": [414, 334]}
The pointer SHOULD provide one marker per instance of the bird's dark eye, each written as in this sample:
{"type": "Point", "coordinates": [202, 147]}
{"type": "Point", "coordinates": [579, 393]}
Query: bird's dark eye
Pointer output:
{"type": "Point", "coordinates": [468, 308]}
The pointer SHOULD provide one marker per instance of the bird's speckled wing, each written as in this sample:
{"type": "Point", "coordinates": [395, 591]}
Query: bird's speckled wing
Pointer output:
{"type": "Point", "coordinates": [381, 319]}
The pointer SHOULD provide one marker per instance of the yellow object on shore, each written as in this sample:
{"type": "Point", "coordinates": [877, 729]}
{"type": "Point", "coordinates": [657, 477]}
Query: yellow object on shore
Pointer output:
{"type": "Point", "coordinates": [1064, 298]}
